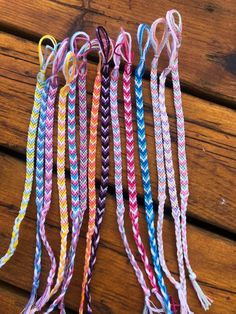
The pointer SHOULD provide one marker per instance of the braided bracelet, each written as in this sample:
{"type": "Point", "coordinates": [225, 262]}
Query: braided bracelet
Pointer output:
{"type": "Point", "coordinates": [183, 170]}
{"type": "Point", "coordinates": [124, 41]}
{"type": "Point", "coordinates": [105, 47]}
{"type": "Point", "coordinates": [40, 180]}
{"type": "Point", "coordinates": [77, 212]}
{"type": "Point", "coordinates": [144, 164]}
{"type": "Point", "coordinates": [92, 175]}
{"type": "Point", "coordinates": [59, 59]}
{"type": "Point", "coordinates": [30, 154]}
{"type": "Point", "coordinates": [173, 68]}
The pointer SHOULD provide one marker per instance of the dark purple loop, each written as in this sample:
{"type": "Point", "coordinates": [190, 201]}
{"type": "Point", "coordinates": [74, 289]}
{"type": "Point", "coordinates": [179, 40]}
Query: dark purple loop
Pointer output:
{"type": "Point", "coordinates": [102, 37]}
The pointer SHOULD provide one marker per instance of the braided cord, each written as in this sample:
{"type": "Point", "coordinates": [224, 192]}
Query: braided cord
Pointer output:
{"type": "Point", "coordinates": [131, 177]}
{"type": "Point", "coordinates": [39, 195]}
{"type": "Point", "coordinates": [122, 42]}
{"type": "Point", "coordinates": [145, 169]}
{"type": "Point", "coordinates": [48, 186]}
{"type": "Point", "coordinates": [118, 177]}
{"type": "Point", "coordinates": [30, 154]}
{"type": "Point", "coordinates": [74, 189]}
{"type": "Point", "coordinates": [105, 124]}
{"type": "Point", "coordinates": [57, 64]}
{"type": "Point", "coordinates": [182, 161]}
{"type": "Point", "coordinates": [91, 178]}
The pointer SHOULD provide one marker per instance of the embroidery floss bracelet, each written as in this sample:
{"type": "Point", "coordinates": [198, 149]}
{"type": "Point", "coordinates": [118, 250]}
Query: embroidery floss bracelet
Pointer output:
{"type": "Point", "coordinates": [107, 51]}
{"type": "Point", "coordinates": [57, 64]}
{"type": "Point", "coordinates": [176, 31]}
{"type": "Point", "coordinates": [144, 164]}
{"type": "Point", "coordinates": [179, 214]}
{"type": "Point", "coordinates": [92, 174]}
{"type": "Point", "coordinates": [40, 180]}
{"type": "Point", "coordinates": [124, 41]}
{"type": "Point", "coordinates": [30, 154]}
{"type": "Point", "coordinates": [77, 213]}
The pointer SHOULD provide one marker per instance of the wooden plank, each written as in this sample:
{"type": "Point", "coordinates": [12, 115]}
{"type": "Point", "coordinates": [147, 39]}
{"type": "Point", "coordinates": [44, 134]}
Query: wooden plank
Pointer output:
{"type": "Point", "coordinates": [207, 58]}
{"type": "Point", "coordinates": [12, 299]}
{"type": "Point", "coordinates": [111, 256]}
{"type": "Point", "coordinates": [210, 129]}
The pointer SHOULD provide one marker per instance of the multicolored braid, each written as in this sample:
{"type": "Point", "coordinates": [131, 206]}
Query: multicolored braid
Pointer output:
{"type": "Point", "coordinates": [77, 213]}
{"type": "Point", "coordinates": [92, 176]}
{"type": "Point", "coordinates": [105, 46]}
{"type": "Point", "coordinates": [39, 196]}
{"type": "Point", "coordinates": [40, 184]}
{"type": "Point", "coordinates": [30, 154]}
{"type": "Point", "coordinates": [57, 64]}
{"type": "Point", "coordinates": [124, 41]}
{"type": "Point", "coordinates": [144, 164]}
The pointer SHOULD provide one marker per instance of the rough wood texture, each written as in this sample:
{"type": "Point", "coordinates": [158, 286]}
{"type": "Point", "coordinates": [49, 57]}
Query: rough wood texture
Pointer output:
{"type": "Point", "coordinates": [208, 53]}
{"type": "Point", "coordinates": [207, 66]}
{"type": "Point", "coordinates": [211, 134]}
{"type": "Point", "coordinates": [110, 292]}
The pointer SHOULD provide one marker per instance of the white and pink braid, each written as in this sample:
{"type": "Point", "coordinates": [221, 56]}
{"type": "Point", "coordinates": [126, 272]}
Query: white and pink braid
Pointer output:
{"type": "Point", "coordinates": [124, 43]}
{"type": "Point", "coordinates": [176, 31]}
{"type": "Point", "coordinates": [163, 149]}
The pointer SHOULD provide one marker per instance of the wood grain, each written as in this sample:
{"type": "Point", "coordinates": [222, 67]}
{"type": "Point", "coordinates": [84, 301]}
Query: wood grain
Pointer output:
{"type": "Point", "coordinates": [110, 287]}
{"type": "Point", "coordinates": [208, 52]}
{"type": "Point", "coordinates": [210, 130]}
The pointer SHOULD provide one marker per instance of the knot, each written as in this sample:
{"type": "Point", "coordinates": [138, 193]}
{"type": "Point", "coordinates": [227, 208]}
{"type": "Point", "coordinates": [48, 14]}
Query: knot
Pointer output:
{"type": "Point", "coordinates": [42, 61]}
{"type": "Point", "coordinates": [178, 286]}
{"type": "Point", "coordinates": [142, 50]}
{"type": "Point", "coordinates": [158, 46]}
{"type": "Point", "coordinates": [192, 276]}
{"type": "Point", "coordinates": [104, 43]}
{"type": "Point", "coordinates": [74, 41]}
{"type": "Point", "coordinates": [60, 56]}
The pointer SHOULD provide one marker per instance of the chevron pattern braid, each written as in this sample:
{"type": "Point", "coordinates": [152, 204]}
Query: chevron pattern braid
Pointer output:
{"type": "Point", "coordinates": [75, 201]}
{"type": "Point", "coordinates": [91, 178]}
{"type": "Point", "coordinates": [147, 190]}
{"type": "Point", "coordinates": [61, 183]}
{"type": "Point", "coordinates": [48, 191]}
{"type": "Point", "coordinates": [30, 154]}
{"type": "Point", "coordinates": [160, 168]}
{"type": "Point", "coordinates": [105, 125]}
{"type": "Point", "coordinates": [83, 144]}
{"type": "Point", "coordinates": [119, 187]}
{"type": "Point", "coordinates": [173, 192]}
{"type": "Point", "coordinates": [184, 182]}
{"type": "Point", "coordinates": [161, 175]}
{"type": "Point", "coordinates": [131, 177]}
{"type": "Point", "coordinates": [39, 195]}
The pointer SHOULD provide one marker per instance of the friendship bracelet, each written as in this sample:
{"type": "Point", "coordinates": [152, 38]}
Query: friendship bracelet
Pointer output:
{"type": "Point", "coordinates": [57, 64]}
{"type": "Point", "coordinates": [144, 164]}
{"type": "Point", "coordinates": [106, 49]}
{"type": "Point", "coordinates": [124, 41]}
{"type": "Point", "coordinates": [30, 154]}
{"type": "Point", "coordinates": [183, 170]}
{"type": "Point", "coordinates": [92, 175]}
{"type": "Point", "coordinates": [180, 286]}
{"type": "Point", "coordinates": [39, 186]}
{"type": "Point", "coordinates": [70, 74]}
{"type": "Point", "coordinates": [77, 212]}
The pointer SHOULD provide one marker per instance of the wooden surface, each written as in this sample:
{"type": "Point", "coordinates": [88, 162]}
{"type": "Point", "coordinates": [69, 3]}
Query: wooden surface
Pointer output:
{"type": "Point", "coordinates": [207, 67]}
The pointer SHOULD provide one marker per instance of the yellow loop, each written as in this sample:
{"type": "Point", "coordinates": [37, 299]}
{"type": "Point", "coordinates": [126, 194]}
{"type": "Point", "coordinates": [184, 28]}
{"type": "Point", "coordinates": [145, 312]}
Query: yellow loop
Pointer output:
{"type": "Point", "coordinates": [40, 53]}
{"type": "Point", "coordinates": [69, 69]}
